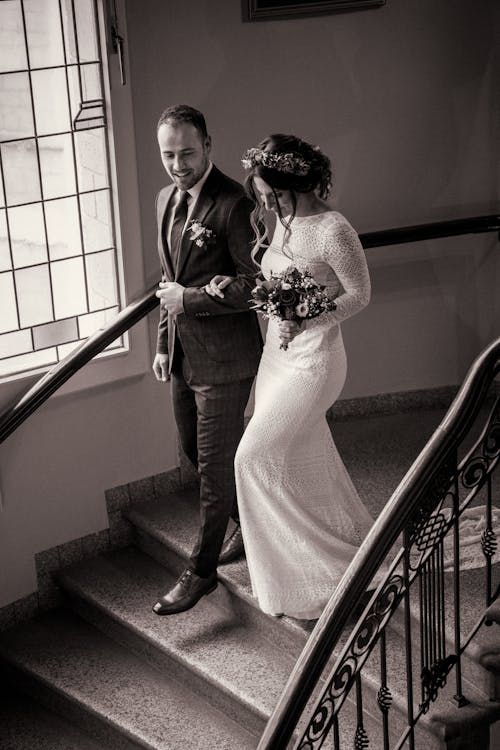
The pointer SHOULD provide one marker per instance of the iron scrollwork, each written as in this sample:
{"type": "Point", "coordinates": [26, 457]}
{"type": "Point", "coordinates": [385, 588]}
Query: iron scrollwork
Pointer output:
{"type": "Point", "coordinates": [356, 651]}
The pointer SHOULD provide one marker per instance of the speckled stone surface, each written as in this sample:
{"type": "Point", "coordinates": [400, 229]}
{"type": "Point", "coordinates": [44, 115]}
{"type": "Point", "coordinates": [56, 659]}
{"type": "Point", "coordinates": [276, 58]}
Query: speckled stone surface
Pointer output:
{"type": "Point", "coordinates": [233, 663]}
{"type": "Point", "coordinates": [100, 678]}
{"type": "Point", "coordinates": [394, 403]}
{"type": "Point", "coordinates": [25, 725]}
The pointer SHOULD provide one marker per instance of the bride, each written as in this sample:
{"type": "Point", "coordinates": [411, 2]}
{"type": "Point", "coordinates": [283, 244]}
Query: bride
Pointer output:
{"type": "Point", "coordinates": [301, 517]}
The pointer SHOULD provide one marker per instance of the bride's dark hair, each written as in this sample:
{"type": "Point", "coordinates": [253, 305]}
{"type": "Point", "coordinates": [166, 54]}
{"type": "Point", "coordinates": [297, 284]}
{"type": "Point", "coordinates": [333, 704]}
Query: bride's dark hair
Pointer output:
{"type": "Point", "coordinates": [284, 162]}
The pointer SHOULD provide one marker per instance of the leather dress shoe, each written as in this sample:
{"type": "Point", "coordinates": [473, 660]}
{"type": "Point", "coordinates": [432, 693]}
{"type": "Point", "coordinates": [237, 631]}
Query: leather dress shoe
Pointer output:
{"type": "Point", "coordinates": [233, 547]}
{"type": "Point", "coordinates": [185, 594]}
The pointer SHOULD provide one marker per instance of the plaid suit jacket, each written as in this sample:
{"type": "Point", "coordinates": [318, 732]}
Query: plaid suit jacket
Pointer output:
{"type": "Point", "coordinates": [221, 338]}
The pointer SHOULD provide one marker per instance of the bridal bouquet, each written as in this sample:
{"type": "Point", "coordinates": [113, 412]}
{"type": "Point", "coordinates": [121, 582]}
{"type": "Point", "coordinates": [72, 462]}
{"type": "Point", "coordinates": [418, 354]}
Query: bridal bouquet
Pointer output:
{"type": "Point", "coordinates": [291, 295]}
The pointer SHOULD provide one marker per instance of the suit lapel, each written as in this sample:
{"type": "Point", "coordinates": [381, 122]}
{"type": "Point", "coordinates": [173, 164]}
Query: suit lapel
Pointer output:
{"type": "Point", "coordinates": [203, 205]}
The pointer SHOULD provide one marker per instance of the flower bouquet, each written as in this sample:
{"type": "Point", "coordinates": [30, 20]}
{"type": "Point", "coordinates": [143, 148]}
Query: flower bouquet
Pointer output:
{"type": "Point", "coordinates": [291, 295]}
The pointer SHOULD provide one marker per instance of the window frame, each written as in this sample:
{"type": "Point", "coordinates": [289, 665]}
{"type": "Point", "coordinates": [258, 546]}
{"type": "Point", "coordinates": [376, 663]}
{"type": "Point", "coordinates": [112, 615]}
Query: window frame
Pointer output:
{"type": "Point", "coordinates": [134, 358]}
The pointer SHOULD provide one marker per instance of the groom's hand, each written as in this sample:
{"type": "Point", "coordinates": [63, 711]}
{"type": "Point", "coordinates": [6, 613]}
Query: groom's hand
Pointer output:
{"type": "Point", "coordinates": [160, 367]}
{"type": "Point", "coordinates": [170, 295]}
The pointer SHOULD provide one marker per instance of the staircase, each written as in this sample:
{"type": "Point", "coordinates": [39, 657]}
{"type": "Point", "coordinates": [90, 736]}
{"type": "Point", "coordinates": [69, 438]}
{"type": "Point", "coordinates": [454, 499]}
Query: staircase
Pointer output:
{"type": "Point", "coordinates": [104, 672]}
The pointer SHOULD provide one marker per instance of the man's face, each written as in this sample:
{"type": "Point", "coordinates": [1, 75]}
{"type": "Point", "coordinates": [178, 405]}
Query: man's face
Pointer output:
{"type": "Point", "coordinates": [184, 153]}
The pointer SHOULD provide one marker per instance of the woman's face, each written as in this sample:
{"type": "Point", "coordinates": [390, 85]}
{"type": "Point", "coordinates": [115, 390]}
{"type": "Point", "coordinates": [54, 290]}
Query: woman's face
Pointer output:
{"type": "Point", "coordinates": [272, 199]}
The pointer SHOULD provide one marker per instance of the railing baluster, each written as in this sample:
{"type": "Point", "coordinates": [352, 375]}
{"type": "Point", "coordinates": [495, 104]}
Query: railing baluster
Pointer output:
{"type": "Point", "coordinates": [487, 550]}
{"type": "Point", "coordinates": [384, 697]}
{"type": "Point", "coordinates": [459, 696]}
{"type": "Point", "coordinates": [361, 741]}
{"type": "Point", "coordinates": [407, 624]}
{"type": "Point", "coordinates": [336, 735]}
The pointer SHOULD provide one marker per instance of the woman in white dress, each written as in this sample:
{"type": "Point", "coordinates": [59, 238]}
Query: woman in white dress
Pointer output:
{"type": "Point", "coordinates": [301, 517]}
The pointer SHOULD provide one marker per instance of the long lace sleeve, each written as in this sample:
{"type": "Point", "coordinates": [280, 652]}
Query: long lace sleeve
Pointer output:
{"type": "Point", "coordinates": [343, 252]}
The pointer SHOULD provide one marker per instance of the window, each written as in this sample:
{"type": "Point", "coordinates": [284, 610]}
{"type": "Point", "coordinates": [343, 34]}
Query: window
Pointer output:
{"type": "Point", "coordinates": [59, 264]}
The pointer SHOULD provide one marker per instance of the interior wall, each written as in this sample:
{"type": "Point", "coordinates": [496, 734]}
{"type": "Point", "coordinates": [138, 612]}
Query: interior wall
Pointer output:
{"type": "Point", "coordinates": [403, 99]}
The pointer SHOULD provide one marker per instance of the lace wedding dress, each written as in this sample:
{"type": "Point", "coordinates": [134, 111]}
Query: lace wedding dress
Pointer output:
{"type": "Point", "coordinates": [301, 517]}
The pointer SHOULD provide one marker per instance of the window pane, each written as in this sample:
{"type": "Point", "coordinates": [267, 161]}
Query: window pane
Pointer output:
{"type": "Point", "coordinates": [84, 86]}
{"type": "Point", "coordinates": [43, 31]}
{"type": "Point", "coordinates": [63, 228]}
{"type": "Point", "coordinates": [68, 31]}
{"type": "Point", "coordinates": [55, 187]}
{"type": "Point", "coordinates": [12, 47]}
{"type": "Point", "coordinates": [86, 30]}
{"type": "Point", "coordinates": [96, 221]}
{"type": "Point", "coordinates": [18, 342]}
{"type": "Point", "coordinates": [16, 117]}
{"type": "Point", "coordinates": [27, 235]}
{"type": "Point", "coordinates": [20, 163]}
{"type": "Point", "coordinates": [5, 260]}
{"type": "Point", "coordinates": [28, 362]}
{"type": "Point", "coordinates": [8, 307]}
{"type": "Point", "coordinates": [64, 349]}
{"type": "Point", "coordinates": [33, 290]}
{"type": "Point", "coordinates": [51, 101]}
{"type": "Point", "coordinates": [56, 163]}
{"type": "Point", "coordinates": [91, 159]}
{"type": "Point", "coordinates": [68, 285]}
{"type": "Point", "coordinates": [101, 279]}
{"type": "Point", "coordinates": [52, 334]}
{"type": "Point", "coordinates": [91, 323]}
{"type": "Point", "coordinates": [91, 82]}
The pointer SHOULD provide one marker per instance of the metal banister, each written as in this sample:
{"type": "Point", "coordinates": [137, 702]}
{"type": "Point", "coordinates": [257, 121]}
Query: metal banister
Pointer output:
{"type": "Point", "coordinates": [135, 311]}
{"type": "Point", "coordinates": [390, 524]}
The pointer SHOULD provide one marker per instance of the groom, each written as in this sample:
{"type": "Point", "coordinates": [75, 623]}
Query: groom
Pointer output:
{"type": "Point", "coordinates": [208, 348]}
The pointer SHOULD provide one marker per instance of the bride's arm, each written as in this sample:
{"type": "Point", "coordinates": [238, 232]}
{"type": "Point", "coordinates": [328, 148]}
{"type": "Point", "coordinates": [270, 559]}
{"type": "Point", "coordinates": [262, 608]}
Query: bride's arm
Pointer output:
{"type": "Point", "coordinates": [344, 253]}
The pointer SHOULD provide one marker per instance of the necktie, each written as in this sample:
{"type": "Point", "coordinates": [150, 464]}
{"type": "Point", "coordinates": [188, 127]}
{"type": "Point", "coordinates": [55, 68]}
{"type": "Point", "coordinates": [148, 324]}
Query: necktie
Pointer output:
{"type": "Point", "coordinates": [180, 217]}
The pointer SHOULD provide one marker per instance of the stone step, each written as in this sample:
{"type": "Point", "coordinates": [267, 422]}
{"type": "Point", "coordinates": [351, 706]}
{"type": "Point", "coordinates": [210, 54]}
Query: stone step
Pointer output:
{"type": "Point", "coordinates": [25, 724]}
{"type": "Point", "coordinates": [166, 531]}
{"type": "Point", "coordinates": [75, 670]}
{"type": "Point", "coordinates": [229, 662]}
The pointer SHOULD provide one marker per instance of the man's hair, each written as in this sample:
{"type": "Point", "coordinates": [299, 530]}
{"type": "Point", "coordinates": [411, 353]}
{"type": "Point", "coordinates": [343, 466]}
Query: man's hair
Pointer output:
{"type": "Point", "coordinates": [178, 113]}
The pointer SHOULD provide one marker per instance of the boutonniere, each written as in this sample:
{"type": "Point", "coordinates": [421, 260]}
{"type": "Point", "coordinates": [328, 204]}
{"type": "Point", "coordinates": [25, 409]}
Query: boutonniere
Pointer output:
{"type": "Point", "coordinates": [201, 236]}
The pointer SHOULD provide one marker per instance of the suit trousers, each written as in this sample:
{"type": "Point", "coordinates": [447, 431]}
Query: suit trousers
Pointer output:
{"type": "Point", "coordinates": [210, 424]}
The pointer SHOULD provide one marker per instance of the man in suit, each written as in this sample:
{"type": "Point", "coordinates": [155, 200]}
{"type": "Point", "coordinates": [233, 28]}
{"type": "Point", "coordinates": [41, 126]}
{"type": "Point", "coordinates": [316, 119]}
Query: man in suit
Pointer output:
{"type": "Point", "coordinates": [208, 348]}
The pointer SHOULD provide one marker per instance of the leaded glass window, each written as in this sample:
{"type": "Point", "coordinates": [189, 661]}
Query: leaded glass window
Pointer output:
{"type": "Point", "coordinates": [59, 267]}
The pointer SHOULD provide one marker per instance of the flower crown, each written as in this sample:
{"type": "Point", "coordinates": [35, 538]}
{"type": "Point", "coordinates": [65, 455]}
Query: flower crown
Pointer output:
{"type": "Point", "coordinates": [289, 162]}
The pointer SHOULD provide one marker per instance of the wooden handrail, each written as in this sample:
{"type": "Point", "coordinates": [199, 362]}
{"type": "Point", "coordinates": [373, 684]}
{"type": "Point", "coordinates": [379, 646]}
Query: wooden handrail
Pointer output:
{"type": "Point", "coordinates": [377, 545]}
{"type": "Point", "coordinates": [135, 311]}
{"type": "Point", "coordinates": [435, 230]}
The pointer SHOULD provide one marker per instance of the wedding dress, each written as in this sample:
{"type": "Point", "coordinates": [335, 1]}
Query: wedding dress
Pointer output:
{"type": "Point", "coordinates": [301, 517]}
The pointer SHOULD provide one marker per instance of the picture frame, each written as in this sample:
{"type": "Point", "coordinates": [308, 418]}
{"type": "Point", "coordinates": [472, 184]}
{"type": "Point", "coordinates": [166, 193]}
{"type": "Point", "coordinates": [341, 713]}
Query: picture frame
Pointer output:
{"type": "Point", "coordinates": [267, 10]}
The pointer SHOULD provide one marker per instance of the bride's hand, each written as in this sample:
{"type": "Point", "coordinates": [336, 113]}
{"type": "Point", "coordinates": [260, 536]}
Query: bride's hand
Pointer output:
{"type": "Point", "coordinates": [288, 330]}
{"type": "Point", "coordinates": [217, 284]}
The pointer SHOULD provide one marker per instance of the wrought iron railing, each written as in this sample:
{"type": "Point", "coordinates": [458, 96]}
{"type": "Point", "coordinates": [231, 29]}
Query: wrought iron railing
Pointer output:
{"type": "Point", "coordinates": [413, 555]}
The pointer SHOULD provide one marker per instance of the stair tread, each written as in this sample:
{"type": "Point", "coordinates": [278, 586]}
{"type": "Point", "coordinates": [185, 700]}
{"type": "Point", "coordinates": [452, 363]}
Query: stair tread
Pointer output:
{"type": "Point", "coordinates": [208, 639]}
{"type": "Point", "coordinates": [25, 724]}
{"type": "Point", "coordinates": [173, 522]}
{"type": "Point", "coordinates": [75, 659]}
